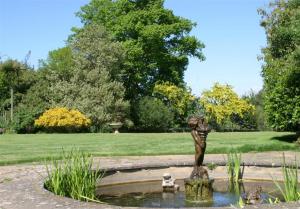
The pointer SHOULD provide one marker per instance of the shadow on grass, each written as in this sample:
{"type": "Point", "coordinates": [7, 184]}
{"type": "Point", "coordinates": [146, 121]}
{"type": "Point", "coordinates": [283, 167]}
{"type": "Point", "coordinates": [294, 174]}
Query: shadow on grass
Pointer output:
{"type": "Point", "coordinates": [290, 138]}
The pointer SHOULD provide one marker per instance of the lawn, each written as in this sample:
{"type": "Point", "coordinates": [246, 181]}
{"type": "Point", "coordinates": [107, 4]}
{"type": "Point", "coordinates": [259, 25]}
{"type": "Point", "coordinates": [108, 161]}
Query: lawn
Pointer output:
{"type": "Point", "coordinates": [38, 147]}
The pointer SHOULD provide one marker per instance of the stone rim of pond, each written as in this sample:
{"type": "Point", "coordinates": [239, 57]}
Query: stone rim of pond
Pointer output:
{"type": "Point", "coordinates": [24, 185]}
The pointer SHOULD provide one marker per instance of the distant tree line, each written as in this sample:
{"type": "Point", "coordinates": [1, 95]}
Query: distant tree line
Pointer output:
{"type": "Point", "coordinates": [127, 63]}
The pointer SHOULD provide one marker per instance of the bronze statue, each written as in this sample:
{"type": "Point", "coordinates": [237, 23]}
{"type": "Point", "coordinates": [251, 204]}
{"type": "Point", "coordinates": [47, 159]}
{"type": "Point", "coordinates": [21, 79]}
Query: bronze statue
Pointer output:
{"type": "Point", "coordinates": [199, 133]}
{"type": "Point", "coordinates": [198, 187]}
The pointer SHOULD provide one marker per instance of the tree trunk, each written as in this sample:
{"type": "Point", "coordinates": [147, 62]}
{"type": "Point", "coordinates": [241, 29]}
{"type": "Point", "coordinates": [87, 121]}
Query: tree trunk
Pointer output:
{"type": "Point", "coordinates": [11, 104]}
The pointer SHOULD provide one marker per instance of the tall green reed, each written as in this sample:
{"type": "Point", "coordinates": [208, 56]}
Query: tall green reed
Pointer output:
{"type": "Point", "coordinates": [290, 188]}
{"type": "Point", "coordinates": [234, 170]}
{"type": "Point", "coordinates": [73, 176]}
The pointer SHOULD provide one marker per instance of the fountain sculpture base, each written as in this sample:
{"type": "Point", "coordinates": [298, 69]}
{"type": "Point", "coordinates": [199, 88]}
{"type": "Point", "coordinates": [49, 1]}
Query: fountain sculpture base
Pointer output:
{"type": "Point", "coordinates": [199, 187]}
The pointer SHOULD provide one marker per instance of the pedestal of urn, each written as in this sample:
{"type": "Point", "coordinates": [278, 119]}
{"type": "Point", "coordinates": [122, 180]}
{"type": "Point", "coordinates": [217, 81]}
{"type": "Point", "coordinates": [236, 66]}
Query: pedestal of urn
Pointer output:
{"type": "Point", "coordinates": [116, 126]}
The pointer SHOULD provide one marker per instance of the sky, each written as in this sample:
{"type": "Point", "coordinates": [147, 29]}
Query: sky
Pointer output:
{"type": "Point", "coordinates": [229, 29]}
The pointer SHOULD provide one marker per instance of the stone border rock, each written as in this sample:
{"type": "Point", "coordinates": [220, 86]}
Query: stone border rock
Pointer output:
{"type": "Point", "coordinates": [21, 186]}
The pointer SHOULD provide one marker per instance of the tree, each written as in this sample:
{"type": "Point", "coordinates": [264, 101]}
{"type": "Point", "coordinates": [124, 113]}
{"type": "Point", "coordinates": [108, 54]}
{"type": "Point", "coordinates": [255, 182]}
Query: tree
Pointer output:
{"type": "Point", "coordinates": [10, 71]}
{"type": "Point", "coordinates": [93, 89]}
{"type": "Point", "coordinates": [222, 104]}
{"type": "Point", "coordinates": [33, 104]}
{"type": "Point", "coordinates": [157, 43]}
{"type": "Point", "coordinates": [15, 79]}
{"type": "Point", "coordinates": [90, 84]}
{"type": "Point", "coordinates": [258, 119]}
{"type": "Point", "coordinates": [179, 99]}
{"type": "Point", "coordinates": [281, 69]}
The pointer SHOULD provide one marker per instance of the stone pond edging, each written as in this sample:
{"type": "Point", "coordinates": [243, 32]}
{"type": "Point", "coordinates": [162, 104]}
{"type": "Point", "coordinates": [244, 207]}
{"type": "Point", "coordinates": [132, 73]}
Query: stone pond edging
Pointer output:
{"type": "Point", "coordinates": [21, 186]}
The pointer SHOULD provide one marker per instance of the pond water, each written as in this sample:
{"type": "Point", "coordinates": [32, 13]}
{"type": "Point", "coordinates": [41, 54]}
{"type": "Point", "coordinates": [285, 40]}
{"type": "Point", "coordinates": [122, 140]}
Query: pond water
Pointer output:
{"type": "Point", "coordinates": [149, 194]}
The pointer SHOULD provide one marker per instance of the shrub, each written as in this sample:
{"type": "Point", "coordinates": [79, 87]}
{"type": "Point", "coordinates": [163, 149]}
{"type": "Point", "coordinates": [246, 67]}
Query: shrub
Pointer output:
{"type": "Point", "coordinates": [62, 120]}
{"type": "Point", "coordinates": [153, 115]}
{"type": "Point", "coordinates": [24, 119]}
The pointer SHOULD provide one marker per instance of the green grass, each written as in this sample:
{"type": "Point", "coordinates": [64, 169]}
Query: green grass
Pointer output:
{"type": "Point", "coordinates": [30, 148]}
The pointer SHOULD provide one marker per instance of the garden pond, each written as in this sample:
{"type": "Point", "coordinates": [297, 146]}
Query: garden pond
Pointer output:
{"type": "Point", "coordinates": [150, 194]}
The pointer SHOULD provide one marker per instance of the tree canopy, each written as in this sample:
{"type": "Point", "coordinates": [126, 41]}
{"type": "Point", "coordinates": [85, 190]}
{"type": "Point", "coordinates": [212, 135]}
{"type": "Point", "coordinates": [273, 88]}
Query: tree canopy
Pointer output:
{"type": "Point", "coordinates": [281, 69]}
{"type": "Point", "coordinates": [156, 42]}
{"type": "Point", "coordinates": [14, 75]}
{"type": "Point", "coordinates": [59, 60]}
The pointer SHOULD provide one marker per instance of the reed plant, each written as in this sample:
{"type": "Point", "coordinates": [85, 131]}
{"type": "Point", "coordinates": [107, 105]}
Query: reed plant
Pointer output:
{"type": "Point", "coordinates": [290, 188]}
{"type": "Point", "coordinates": [212, 166]}
{"type": "Point", "coordinates": [234, 170]}
{"type": "Point", "coordinates": [73, 176]}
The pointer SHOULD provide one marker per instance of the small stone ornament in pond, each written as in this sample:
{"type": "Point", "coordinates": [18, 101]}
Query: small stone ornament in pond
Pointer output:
{"type": "Point", "coordinates": [168, 183]}
{"type": "Point", "coordinates": [198, 187]}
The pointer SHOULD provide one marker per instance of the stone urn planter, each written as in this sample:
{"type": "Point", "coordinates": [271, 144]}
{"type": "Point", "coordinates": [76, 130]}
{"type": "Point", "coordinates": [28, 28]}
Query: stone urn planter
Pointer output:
{"type": "Point", "coordinates": [115, 126]}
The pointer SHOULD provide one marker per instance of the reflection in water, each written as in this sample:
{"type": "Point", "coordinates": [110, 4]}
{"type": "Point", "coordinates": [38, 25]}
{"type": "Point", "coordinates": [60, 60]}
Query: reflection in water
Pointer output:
{"type": "Point", "coordinates": [237, 188]}
{"type": "Point", "coordinates": [175, 200]}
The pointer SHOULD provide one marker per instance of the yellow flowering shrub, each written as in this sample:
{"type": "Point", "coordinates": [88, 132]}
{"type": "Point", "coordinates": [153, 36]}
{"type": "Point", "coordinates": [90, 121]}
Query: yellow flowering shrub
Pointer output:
{"type": "Point", "coordinates": [61, 119]}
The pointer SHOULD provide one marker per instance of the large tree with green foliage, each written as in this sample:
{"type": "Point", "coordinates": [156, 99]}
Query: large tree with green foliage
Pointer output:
{"type": "Point", "coordinates": [157, 42]}
{"type": "Point", "coordinates": [281, 69]}
{"type": "Point", "coordinates": [93, 89]}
